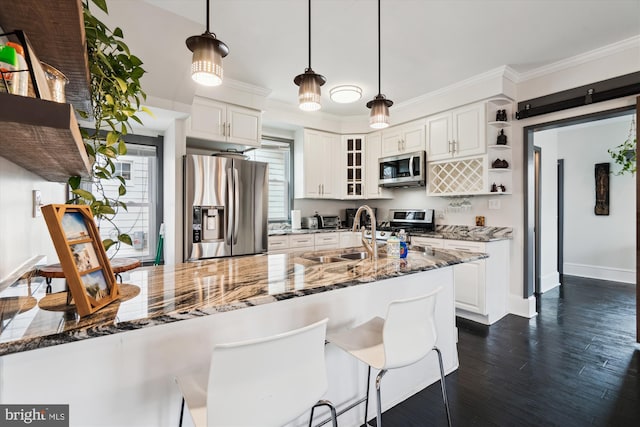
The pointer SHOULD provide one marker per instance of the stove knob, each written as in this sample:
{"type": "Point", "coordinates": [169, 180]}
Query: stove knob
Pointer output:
{"type": "Point", "coordinates": [382, 233]}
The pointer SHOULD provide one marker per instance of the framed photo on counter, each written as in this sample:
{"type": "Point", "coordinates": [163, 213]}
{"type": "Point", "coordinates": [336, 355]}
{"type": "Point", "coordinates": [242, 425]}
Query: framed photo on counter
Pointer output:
{"type": "Point", "coordinates": [83, 259]}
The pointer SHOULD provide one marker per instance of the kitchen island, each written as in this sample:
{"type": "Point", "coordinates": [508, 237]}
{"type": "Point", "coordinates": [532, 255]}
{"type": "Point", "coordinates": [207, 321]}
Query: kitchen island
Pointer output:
{"type": "Point", "coordinates": [116, 367]}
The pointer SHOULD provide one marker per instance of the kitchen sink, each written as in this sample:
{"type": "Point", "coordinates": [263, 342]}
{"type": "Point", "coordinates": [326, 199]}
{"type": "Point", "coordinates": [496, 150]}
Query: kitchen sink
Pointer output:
{"type": "Point", "coordinates": [324, 259]}
{"type": "Point", "coordinates": [359, 255]}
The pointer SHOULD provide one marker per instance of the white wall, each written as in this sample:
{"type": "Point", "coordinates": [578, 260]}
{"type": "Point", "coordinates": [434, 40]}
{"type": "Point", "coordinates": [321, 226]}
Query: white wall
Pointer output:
{"type": "Point", "coordinates": [597, 246]}
{"type": "Point", "coordinates": [548, 142]}
{"type": "Point", "coordinates": [22, 236]}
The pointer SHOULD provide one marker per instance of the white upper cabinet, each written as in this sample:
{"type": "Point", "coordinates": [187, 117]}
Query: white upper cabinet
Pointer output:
{"type": "Point", "coordinates": [456, 133]}
{"type": "Point", "coordinates": [405, 138]}
{"type": "Point", "coordinates": [216, 121]}
{"type": "Point", "coordinates": [373, 151]}
{"type": "Point", "coordinates": [317, 165]}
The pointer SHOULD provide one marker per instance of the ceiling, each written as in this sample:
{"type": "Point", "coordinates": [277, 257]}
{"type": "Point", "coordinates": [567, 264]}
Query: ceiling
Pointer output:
{"type": "Point", "coordinates": [426, 44]}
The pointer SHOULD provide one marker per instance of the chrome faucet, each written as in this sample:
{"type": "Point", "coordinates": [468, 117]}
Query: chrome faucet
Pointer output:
{"type": "Point", "coordinates": [370, 247]}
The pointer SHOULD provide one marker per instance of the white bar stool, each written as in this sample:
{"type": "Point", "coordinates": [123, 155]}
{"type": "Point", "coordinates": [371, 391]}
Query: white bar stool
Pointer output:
{"type": "Point", "coordinates": [406, 336]}
{"type": "Point", "coordinates": [263, 382]}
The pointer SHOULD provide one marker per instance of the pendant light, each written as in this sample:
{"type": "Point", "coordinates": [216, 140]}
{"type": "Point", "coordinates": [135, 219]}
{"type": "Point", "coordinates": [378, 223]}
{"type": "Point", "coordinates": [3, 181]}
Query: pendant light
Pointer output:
{"type": "Point", "coordinates": [309, 82]}
{"type": "Point", "coordinates": [208, 51]}
{"type": "Point", "coordinates": [379, 118]}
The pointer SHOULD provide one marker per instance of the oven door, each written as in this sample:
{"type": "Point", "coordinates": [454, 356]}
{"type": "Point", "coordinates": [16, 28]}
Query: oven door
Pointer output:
{"type": "Point", "coordinates": [403, 170]}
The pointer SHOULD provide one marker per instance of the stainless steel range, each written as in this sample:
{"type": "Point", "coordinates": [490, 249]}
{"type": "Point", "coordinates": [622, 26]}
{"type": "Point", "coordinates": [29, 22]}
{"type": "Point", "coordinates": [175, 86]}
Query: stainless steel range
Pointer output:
{"type": "Point", "coordinates": [414, 221]}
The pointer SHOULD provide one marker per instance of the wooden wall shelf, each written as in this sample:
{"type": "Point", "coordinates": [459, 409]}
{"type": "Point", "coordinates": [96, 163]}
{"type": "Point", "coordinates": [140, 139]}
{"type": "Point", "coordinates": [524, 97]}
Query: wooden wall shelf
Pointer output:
{"type": "Point", "coordinates": [40, 135]}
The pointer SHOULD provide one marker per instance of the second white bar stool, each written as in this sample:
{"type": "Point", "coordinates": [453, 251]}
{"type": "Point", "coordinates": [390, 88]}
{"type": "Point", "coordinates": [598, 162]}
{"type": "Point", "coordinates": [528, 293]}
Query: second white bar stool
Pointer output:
{"type": "Point", "coordinates": [265, 382]}
{"type": "Point", "coordinates": [406, 336]}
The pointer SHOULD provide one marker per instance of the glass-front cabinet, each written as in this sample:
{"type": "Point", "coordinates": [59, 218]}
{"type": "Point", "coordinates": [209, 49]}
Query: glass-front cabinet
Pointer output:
{"type": "Point", "coordinates": [353, 158]}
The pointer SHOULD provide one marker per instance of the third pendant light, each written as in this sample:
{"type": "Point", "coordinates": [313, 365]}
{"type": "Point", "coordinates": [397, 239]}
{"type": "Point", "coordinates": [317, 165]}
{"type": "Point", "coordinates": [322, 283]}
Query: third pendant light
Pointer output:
{"type": "Point", "coordinates": [309, 82]}
{"type": "Point", "coordinates": [379, 118]}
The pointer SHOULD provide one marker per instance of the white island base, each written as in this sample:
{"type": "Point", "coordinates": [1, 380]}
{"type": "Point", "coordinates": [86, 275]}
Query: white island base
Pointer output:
{"type": "Point", "coordinates": [127, 379]}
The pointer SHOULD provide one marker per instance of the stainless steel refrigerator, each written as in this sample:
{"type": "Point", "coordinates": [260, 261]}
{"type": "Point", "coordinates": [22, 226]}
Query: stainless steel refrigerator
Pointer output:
{"type": "Point", "coordinates": [226, 202]}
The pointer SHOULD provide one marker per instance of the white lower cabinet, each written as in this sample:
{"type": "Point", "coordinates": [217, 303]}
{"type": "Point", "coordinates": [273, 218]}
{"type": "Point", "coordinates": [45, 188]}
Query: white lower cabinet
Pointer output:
{"type": "Point", "coordinates": [278, 244]}
{"type": "Point", "coordinates": [301, 242]}
{"type": "Point", "coordinates": [427, 242]}
{"type": "Point", "coordinates": [326, 241]}
{"type": "Point", "coordinates": [313, 241]}
{"type": "Point", "coordinates": [482, 286]}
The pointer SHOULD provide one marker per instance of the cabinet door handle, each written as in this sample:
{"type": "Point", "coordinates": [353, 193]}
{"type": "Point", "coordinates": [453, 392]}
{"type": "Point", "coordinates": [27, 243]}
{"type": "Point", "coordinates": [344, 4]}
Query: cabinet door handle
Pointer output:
{"type": "Point", "coordinates": [448, 146]}
{"type": "Point", "coordinates": [229, 129]}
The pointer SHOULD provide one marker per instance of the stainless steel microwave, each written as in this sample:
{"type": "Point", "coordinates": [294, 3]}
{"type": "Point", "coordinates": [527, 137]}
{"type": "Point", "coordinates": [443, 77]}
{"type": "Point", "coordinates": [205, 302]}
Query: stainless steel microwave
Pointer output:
{"type": "Point", "coordinates": [403, 170]}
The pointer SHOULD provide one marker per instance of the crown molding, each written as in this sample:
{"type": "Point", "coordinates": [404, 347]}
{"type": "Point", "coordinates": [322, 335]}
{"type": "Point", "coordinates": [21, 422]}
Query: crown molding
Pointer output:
{"type": "Point", "coordinates": [246, 87]}
{"type": "Point", "coordinates": [478, 78]}
{"type": "Point", "coordinates": [599, 53]}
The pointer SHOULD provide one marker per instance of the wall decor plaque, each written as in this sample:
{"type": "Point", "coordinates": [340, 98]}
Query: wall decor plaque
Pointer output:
{"type": "Point", "coordinates": [602, 189]}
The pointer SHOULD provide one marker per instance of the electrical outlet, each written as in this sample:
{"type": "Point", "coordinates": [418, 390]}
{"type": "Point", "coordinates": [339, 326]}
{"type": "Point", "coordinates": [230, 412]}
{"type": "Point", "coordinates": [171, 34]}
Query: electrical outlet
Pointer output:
{"type": "Point", "coordinates": [494, 204]}
{"type": "Point", "coordinates": [37, 203]}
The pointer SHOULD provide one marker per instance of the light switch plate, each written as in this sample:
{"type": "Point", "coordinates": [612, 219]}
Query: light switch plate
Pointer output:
{"type": "Point", "coordinates": [37, 203]}
{"type": "Point", "coordinates": [494, 204]}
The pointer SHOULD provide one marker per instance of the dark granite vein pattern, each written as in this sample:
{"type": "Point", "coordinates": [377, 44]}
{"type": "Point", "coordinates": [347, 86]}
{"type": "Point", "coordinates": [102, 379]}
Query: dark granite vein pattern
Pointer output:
{"type": "Point", "coordinates": [470, 233]}
{"type": "Point", "coordinates": [185, 291]}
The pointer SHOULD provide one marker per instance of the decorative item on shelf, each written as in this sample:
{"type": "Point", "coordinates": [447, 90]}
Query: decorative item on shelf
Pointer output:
{"type": "Point", "coordinates": [208, 51]}
{"type": "Point", "coordinates": [480, 221]}
{"type": "Point", "coordinates": [56, 82]}
{"type": "Point", "coordinates": [502, 188]}
{"type": "Point", "coordinates": [494, 188]}
{"type": "Point", "coordinates": [501, 115]}
{"type": "Point", "coordinates": [502, 138]}
{"type": "Point", "coordinates": [379, 117]}
{"type": "Point", "coordinates": [89, 275]}
{"type": "Point", "coordinates": [500, 164]}
{"type": "Point", "coordinates": [309, 82]}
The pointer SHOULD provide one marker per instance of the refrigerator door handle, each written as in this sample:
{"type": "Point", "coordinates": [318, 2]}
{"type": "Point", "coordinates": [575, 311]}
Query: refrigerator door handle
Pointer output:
{"type": "Point", "coordinates": [231, 213]}
{"type": "Point", "coordinates": [236, 201]}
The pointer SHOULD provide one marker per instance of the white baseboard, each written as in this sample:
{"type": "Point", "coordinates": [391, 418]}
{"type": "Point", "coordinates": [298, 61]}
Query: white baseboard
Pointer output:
{"type": "Point", "coordinates": [600, 272]}
{"type": "Point", "coordinates": [524, 307]}
{"type": "Point", "coordinates": [549, 281]}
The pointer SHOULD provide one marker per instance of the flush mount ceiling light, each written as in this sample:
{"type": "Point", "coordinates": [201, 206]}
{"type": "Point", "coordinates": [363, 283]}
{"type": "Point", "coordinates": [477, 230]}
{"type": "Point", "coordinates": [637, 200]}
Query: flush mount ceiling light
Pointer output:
{"type": "Point", "coordinates": [345, 94]}
{"type": "Point", "coordinates": [309, 82]}
{"type": "Point", "coordinates": [208, 51]}
{"type": "Point", "coordinates": [379, 118]}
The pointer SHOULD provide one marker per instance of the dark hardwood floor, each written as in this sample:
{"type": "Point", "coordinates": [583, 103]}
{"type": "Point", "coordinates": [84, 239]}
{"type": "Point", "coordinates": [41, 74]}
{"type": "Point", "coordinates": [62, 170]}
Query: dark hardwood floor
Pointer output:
{"type": "Point", "coordinates": [575, 364]}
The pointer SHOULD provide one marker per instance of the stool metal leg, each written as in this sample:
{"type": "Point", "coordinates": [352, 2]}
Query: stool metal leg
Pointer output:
{"type": "Point", "coordinates": [181, 412]}
{"type": "Point", "coordinates": [366, 402]}
{"type": "Point", "coordinates": [379, 416]}
{"type": "Point", "coordinates": [443, 386]}
{"type": "Point", "coordinates": [334, 417]}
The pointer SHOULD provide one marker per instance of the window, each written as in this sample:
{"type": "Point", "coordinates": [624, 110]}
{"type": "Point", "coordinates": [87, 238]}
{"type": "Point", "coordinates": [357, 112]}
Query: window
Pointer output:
{"type": "Point", "coordinates": [123, 169]}
{"type": "Point", "coordinates": [141, 167]}
{"type": "Point", "coordinates": [277, 153]}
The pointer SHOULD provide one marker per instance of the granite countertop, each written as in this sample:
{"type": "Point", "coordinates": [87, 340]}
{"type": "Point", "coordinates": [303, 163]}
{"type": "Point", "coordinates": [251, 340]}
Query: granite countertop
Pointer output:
{"type": "Point", "coordinates": [469, 233]}
{"type": "Point", "coordinates": [450, 232]}
{"type": "Point", "coordinates": [173, 293]}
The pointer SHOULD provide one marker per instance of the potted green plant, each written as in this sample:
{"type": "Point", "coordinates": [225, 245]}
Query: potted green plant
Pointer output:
{"type": "Point", "coordinates": [116, 97]}
{"type": "Point", "coordinates": [625, 153]}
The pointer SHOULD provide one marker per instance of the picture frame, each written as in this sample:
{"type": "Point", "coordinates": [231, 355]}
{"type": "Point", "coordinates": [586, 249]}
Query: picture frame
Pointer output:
{"type": "Point", "coordinates": [83, 259]}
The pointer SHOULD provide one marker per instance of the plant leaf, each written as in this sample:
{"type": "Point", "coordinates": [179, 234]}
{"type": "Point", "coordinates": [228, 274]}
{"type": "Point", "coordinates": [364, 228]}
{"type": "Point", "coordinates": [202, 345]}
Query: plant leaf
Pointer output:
{"type": "Point", "coordinates": [107, 243]}
{"type": "Point", "coordinates": [125, 238]}
{"type": "Point", "coordinates": [121, 83]}
{"type": "Point", "coordinates": [84, 194]}
{"type": "Point", "coordinates": [102, 4]}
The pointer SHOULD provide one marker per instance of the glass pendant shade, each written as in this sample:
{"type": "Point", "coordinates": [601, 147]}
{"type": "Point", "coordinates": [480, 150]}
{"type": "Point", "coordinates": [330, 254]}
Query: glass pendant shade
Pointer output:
{"type": "Point", "coordinates": [206, 64]}
{"type": "Point", "coordinates": [309, 92]}
{"type": "Point", "coordinates": [379, 117]}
